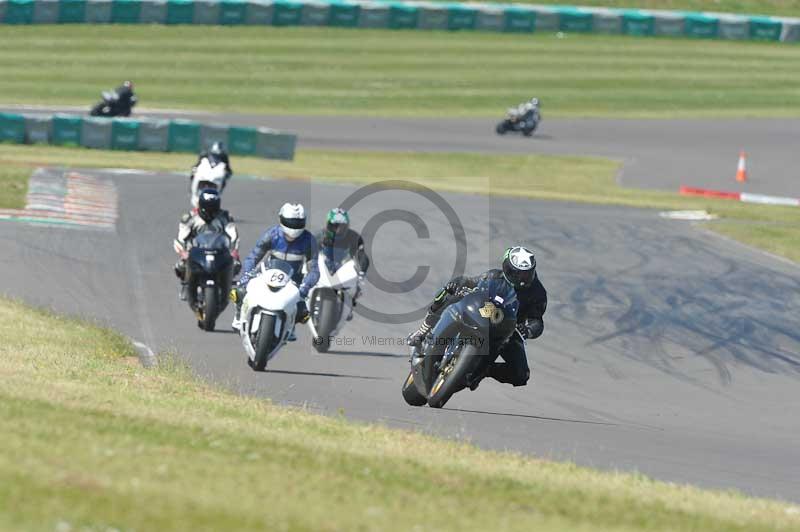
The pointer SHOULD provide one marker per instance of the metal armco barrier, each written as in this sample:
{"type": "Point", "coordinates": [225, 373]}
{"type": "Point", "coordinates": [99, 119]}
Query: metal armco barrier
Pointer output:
{"type": "Point", "coordinates": [394, 14]}
{"type": "Point", "coordinates": [144, 134]}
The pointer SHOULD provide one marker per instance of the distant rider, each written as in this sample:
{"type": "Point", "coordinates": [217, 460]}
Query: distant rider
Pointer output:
{"type": "Point", "coordinates": [518, 269]}
{"type": "Point", "coordinates": [122, 96]}
{"type": "Point", "coordinates": [209, 217]}
{"type": "Point", "coordinates": [288, 241]}
{"type": "Point", "coordinates": [215, 154]}
{"type": "Point", "coordinates": [339, 242]}
{"type": "Point", "coordinates": [528, 110]}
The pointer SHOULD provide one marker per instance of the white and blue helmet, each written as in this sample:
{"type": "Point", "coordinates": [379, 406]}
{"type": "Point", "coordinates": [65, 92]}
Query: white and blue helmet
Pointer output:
{"type": "Point", "coordinates": [293, 220]}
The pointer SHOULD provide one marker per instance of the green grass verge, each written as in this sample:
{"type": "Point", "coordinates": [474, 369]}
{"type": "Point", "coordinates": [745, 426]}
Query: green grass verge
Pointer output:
{"type": "Point", "coordinates": [579, 179]}
{"type": "Point", "coordinates": [14, 186]}
{"type": "Point", "coordinates": [786, 8]}
{"type": "Point", "coordinates": [92, 441]}
{"type": "Point", "coordinates": [377, 72]}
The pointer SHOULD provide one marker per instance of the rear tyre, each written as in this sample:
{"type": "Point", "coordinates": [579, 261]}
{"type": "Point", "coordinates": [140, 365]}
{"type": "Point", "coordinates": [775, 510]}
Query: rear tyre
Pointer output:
{"type": "Point", "coordinates": [411, 394]}
{"type": "Point", "coordinates": [328, 318]}
{"type": "Point", "coordinates": [444, 387]}
{"type": "Point", "coordinates": [501, 128]}
{"type": "Point", "coordinates": [265, 342]}
{"type": "Point", "coordinates": [209, 308]}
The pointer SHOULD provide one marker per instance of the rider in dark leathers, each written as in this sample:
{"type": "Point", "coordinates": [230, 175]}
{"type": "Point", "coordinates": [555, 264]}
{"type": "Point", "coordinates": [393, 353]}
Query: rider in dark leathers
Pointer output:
{"type": "Point", "coordinates": [519, 269]}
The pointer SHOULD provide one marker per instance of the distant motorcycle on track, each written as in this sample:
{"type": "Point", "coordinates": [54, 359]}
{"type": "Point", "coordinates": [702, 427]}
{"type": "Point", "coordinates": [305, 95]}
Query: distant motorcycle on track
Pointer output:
{"type": "Point", "coordinates": [210, 173]}
{"type": "Point", "coordinates": [113, 105]}
{"type": "Point", "coordinates": [523, 119]}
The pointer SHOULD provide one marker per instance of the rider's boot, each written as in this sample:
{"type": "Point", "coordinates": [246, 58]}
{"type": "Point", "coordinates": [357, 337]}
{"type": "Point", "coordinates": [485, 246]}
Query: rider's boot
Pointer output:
{"type": "Point", "coordinates": [415, 338]}
{"type": "Point", "coordinates": [353, 306]}
{"type": "Point", "coordinates": [184, 294]}
{"type": "Point", "coordinates": [237, 296]}
{"type": "Point", "coordinates": [301, 316]}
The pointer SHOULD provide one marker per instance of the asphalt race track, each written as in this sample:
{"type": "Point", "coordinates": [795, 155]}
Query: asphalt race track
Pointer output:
{"type": "Point", "coordinates": [660, 154]}
{"type": "Point", "coordinates": [666, 350]}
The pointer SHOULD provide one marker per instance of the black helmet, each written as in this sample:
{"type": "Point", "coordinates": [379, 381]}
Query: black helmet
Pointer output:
{"type": "Point", "coordinates": [338, 222]}
{"type": "Point", "coordinates": [208, 204]}
{"type": "Point", "coordinates": [519, 266]}
{"type": "Point", "coordinates": [216, 153]}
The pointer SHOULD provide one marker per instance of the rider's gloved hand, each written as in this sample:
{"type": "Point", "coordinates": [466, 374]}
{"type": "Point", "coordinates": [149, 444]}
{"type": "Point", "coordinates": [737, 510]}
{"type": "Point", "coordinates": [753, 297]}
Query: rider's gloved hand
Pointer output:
{"type": "Point", "coordinates": [531, 329]}
{"type": "Point", "coordinates": [454, 284]}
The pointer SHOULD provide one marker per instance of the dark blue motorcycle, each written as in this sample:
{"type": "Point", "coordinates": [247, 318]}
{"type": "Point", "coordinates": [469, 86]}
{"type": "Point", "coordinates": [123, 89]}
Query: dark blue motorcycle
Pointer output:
{"type": "Point", "coordinates": [462, 345]}
{"type": "Point", "coordinates": [210, 267]}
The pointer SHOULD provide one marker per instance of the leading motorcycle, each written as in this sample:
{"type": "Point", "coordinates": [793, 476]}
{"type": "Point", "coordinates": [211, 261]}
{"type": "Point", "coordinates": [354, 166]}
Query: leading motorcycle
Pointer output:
{"type": "Point", "coordinates": [462, 345]}
{"type": "Point", "coordinates": [330, 302]}
{"type": "Point", "coordinates": [268, 312]}
{"type": "Point", "coordinates": [210, 268]}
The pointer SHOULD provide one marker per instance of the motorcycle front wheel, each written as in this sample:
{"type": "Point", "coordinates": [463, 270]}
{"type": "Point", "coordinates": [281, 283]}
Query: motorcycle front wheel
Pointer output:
{"type": "Point", "coordinates": [453, 377]}
{"type": "Point", "coordinates": [265, 342]}
{"type": "Point", "coordinates": [328, 316]}
{"type": "Point", "coordinates": [411, 394]}
{"type": "Point", "coordinates": [209, 315]}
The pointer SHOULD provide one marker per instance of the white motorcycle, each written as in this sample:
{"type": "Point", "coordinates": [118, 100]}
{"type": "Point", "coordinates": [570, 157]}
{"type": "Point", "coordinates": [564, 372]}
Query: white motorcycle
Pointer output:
{"type": "Point", "coordinates": [268, 312]}
{"type": "Point", "coordinates": [207, 174]}
{"type": "Point", "coordinates": [330, 302]}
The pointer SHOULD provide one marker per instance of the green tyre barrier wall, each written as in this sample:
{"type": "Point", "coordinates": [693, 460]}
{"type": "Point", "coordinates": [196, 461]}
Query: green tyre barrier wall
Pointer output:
{"type": "Point", "coordinates": [12, 128]}
{"type": "Point", "coordinates": [132, 134]}
{"type": "Point", "coordinates": [399, 15]}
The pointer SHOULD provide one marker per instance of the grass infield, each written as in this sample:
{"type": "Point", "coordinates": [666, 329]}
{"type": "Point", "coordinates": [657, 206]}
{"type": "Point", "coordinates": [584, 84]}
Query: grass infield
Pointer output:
{"type": "Point", "coordinates": [398, 73]}
{"type": "Point", "coordinates": [93, 441]}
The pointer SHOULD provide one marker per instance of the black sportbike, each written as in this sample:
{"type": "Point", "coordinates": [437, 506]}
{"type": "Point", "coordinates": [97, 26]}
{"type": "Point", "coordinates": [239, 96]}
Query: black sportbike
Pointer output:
{"type": "Point", "coordinates": [525, 124]}
{"type": "Point", "coordinates": [210, 268]}
{"type": "Point", "coordinates": [467, 339]}
{"type": "Point", "coordinates": [113, 105]}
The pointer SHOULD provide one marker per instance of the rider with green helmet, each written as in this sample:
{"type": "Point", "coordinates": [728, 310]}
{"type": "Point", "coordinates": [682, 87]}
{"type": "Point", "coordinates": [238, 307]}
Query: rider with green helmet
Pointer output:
{"type": "Point", "coordinates": [338, 242]}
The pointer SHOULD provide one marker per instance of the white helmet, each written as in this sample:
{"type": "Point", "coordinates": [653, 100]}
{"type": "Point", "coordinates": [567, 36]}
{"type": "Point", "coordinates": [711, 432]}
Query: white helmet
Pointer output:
{"type": "Point", "coordinates": [293, 220]}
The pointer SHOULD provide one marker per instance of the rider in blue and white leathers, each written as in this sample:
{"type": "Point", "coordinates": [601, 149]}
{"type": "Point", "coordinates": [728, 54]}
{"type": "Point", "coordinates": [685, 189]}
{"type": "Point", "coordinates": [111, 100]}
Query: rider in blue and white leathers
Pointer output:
{"type": "Point", "coordinates": [289, 241]}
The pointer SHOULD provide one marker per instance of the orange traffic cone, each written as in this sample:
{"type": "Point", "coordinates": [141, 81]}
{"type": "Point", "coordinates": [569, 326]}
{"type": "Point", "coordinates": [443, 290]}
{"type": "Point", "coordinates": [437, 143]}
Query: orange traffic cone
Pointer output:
{"type": "Point", "coordinates": [741, 171]}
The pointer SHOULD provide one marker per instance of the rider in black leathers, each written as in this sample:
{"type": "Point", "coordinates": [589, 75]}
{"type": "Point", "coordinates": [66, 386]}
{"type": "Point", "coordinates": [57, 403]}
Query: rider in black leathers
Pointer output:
{"type": "Point", "coordinates": [519, 269]}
